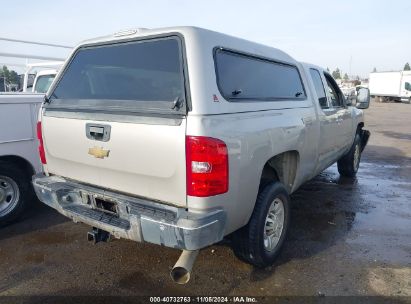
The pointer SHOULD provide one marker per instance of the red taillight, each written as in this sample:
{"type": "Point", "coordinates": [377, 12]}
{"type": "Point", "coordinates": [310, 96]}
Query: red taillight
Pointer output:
{"type": "Point", "coordinates": [42, 153]}
{"type": "Point", "coordinates": [207, 166]}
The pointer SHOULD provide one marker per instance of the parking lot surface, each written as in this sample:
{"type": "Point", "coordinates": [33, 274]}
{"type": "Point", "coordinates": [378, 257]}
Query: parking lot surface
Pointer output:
{"type": "Point", "coordinates": [347, 237]}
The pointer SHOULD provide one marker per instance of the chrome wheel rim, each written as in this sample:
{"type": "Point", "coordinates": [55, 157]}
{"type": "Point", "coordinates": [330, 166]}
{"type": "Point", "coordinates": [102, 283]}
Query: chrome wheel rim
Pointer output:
{"type": "Point", "coordinates": [356, 157]}
{"type": "Point", "coordinates": [274, 224]}
{"type": "Point", "coordinates": [9, 195]}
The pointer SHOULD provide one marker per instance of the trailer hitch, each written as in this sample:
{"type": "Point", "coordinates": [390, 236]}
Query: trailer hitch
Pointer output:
{"type": "Point", "coordinates": [97, 235]}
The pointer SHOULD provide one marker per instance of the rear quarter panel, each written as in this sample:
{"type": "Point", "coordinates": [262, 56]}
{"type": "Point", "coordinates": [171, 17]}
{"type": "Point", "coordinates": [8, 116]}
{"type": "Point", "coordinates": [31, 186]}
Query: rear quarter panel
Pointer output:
{"type": "Point", "coordinates": [254, 132]}
{"type": "Point", "coordinates": [252, 139]}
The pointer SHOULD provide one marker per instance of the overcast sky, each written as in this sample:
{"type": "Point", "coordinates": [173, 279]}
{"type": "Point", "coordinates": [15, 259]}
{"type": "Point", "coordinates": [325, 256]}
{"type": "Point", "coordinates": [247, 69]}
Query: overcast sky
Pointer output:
{"type": "Point", "coordinates": [330, 34]}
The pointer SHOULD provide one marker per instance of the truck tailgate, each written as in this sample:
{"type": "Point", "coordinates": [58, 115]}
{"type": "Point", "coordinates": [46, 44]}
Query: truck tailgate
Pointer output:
{"type": "Point", "coordinates": [146, 160]}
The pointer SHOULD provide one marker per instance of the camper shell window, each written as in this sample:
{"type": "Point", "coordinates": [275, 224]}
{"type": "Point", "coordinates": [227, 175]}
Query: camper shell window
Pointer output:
{"type": "Point", "coordinates": [243, 77]}
{"type": "Point", "coordinates": [141, 75]}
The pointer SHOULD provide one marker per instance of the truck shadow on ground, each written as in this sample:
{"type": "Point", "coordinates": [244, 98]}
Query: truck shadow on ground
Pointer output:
{"type": "Point", "coordinates": [396, 135]}
{"type": "Point", "coordinates": [324, 209]}
{"type": "Point", "coordinates": [37, 217]}
{"type": "Point", "coordinates": [384, 155]}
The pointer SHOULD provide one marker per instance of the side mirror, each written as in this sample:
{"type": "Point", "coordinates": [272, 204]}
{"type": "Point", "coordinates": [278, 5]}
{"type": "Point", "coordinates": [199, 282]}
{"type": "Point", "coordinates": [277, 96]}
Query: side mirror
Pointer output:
{"type": "Point", "coordinates": [363, 98]}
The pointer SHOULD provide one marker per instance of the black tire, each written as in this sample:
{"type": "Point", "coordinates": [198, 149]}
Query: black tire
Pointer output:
{"type": "Point", "coordinates": [11, 174]}
{"type": "Point", "coordinates": [248, 242]}
{"type": "Point", "coordinates": [348, 164]}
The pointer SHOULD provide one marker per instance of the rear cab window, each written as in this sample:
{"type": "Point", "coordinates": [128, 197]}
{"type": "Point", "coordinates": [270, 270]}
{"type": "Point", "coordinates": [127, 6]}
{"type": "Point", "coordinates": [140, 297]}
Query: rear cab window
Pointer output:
{"type": "Point", "coordinates": [135, 76]}
{"type": "Point", "coordinates": [242, 77]}
{"type": "Point", "coordinates": [43, 83]}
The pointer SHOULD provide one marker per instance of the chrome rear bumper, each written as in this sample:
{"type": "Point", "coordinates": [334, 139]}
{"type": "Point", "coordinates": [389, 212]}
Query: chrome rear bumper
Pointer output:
{"type": "Point", "coordinates": [130, 217]}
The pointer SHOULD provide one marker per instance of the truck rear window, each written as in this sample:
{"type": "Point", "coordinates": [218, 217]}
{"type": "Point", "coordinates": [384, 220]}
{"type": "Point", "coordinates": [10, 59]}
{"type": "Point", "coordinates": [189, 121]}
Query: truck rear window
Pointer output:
{"type": "Point", "coordinates": [43, 83]}
{"type": "Point", "coordinates": [243, 77]}
{"type": "Point", "coordinates": [138, 75]}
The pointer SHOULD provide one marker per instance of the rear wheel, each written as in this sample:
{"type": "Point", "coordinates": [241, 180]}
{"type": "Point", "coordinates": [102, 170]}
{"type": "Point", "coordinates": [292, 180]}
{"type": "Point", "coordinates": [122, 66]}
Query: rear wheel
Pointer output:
{"type": "Point", "coordinates": [15, 192]}
{"type": "Point", "coordinates": [348, 165]}
{"type": "Point", "coordinates": [260, 241]}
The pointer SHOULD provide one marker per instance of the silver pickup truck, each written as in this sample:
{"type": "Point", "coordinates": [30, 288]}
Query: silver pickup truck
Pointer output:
{"type": "Point", "coordinates": [182, 136]}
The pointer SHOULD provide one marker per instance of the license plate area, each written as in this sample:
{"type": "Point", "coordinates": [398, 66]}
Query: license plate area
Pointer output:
{"type": "Point", "coordinates": [106, 205]}
{"type": "Point", "coordinates": [100, 203]}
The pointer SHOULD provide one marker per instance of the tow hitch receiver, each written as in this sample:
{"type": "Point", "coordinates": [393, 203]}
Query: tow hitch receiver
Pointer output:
{"type": "Point", "coordinates": [97, 235]}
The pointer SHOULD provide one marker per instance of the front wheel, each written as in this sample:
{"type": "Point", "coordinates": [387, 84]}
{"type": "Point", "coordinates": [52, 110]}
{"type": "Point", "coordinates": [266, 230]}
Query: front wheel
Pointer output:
{"type": "Point", "coordinates": [348, 165]}
{"type": "Point", "coordinates": [15, 193]}
{"type": "Point", "coordinates": [260, 241]}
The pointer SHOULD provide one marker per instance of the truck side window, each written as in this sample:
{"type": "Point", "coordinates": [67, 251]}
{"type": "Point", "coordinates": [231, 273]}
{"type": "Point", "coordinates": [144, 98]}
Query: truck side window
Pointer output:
{"type": "Point", "coordinates": [334, 92]}
{"type": "Point", "coordinates": [319, 88]}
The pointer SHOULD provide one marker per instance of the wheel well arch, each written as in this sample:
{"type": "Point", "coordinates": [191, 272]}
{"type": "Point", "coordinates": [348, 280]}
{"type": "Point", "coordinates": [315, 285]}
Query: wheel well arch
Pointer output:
{"type": "Point", "coordinates": [281, 167]}
{"type": "Point", "coordinates": [20, 162]}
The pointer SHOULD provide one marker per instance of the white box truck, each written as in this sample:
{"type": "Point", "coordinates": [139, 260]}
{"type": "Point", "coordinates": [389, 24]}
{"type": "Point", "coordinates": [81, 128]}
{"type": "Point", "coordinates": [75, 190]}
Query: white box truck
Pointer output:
{"type": "Point", "coordinates": [391, 86]}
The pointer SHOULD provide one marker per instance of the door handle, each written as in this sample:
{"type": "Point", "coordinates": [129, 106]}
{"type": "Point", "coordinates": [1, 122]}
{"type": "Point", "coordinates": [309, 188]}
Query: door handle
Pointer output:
{"type": "Point", "coordinates": [98, 132]}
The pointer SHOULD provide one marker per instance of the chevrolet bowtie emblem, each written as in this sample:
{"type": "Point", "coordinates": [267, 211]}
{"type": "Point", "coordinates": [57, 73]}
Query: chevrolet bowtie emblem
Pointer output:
{"type": "Point", "coordinates": [98, 152]}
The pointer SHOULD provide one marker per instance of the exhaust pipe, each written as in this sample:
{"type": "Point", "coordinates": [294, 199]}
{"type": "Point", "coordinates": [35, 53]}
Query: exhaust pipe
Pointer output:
{"type": "Point", "coordinates": [182, 269]}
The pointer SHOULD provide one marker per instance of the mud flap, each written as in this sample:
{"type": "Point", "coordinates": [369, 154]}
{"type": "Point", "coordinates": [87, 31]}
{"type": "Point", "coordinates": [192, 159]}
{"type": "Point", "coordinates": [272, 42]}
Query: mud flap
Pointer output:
{"type": "Point", "coordinates": [365, 135]}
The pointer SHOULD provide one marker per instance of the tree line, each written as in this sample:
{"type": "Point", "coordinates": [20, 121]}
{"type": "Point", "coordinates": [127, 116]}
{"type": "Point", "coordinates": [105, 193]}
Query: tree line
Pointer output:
{"type": "Point", "coordinates": [10, 76]}
{"type": "Point", "coordinates": [407, 67]}
{"type": "Point", "coordinates": [337, 74]}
